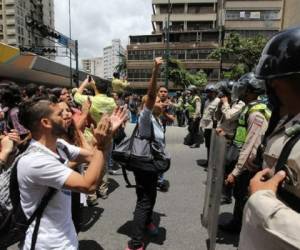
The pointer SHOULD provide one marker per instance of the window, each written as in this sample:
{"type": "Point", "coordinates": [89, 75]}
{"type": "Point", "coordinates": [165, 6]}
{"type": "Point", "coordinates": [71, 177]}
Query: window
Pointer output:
{"type": "Point", "coordinates": [192, 54]}
{"type": "Point", "coordinates": [200, 8]}
{"type": "Point", "coordinates": [178, 54]}
{"type": "Point", "coordinates": [252, 15]}
{"type": "Point", "coordinates": [199, 25]}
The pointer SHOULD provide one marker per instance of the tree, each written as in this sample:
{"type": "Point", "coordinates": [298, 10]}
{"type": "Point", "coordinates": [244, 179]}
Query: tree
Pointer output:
{"type": "Point", "coordinates": [121, 67]}
{"type": "Point", "coordinates": [242, 52]}
{"type": "Point", "coordinates": [182, 78]}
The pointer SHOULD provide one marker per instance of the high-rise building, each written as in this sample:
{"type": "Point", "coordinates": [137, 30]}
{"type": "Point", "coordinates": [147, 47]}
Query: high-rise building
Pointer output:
{"type": "Point", "coordinates": [111, 57]}
{"type": "Point", "coordinates": [199, 26]}
{"type": "Point", "coordinates": [193, 35]}
{"type": "Point", "coordinates": [93, 66]}
{"type": "Point", "coordinates": [14, 16]}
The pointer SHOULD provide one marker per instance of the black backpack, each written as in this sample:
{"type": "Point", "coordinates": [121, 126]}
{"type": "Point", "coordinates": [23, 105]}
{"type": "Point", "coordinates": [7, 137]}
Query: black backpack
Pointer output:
{"type": "Point", "coordinates": [13, 228]}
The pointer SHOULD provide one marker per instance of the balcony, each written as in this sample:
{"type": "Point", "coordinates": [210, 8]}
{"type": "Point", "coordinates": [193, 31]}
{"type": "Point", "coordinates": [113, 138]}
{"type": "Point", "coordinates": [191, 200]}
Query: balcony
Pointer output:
{"type": "Point", "coordinates": [200, 8]}
{"type": "Point", "coordinates": [183, 1]}
{"type": "Point", "coordinates": [176, 9]}
{"type": "Point", "coordinates": [11, 31]}
{"type": "Point", "coordinates": [10, 21]}
{"type": "Point", "coordinates": [12, 41]}
{"type": "Point", "coordinates": [10, 11]}
{"type": "Point", "coordinates": [9, 2]}
{"type": "Point", "coordinates": [185, 17]}
{"type": "Point", "coordinates": [199, 26]}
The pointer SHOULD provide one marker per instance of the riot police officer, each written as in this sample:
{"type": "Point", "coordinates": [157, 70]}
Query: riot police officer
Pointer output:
{"type": "Point", "coordinates": [179, 109]}
{"type": "Point", "coordinates": [252, 125]}
{"type": "Point", "coordinates": [227, 114]}
{"type": "Point", "coordinates": [209, 121]}
{"type": "Point", "coordinates": [194, 110]}
{"type": "Point", "coordinates": [270, 221]}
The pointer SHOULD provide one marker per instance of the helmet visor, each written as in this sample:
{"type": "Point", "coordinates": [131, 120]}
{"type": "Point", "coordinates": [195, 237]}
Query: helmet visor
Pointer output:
{"type": "Point", "coordinates": [238, 91]}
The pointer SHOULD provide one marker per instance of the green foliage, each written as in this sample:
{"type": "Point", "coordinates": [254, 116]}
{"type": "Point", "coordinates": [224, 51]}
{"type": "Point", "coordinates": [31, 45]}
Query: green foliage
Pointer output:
{"type": "Point", "coordinates": [182, 78]}
{"type": "Point", "coordinates": [122, 66]}
{"type": "Point", "coordinates": [243, 53]}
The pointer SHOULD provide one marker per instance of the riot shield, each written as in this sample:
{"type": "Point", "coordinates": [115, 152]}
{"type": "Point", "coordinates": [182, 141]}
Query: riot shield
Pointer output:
{"type": "Point", "coordinates": [214, 185]}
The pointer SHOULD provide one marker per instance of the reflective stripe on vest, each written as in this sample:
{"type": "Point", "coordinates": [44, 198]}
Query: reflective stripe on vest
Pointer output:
{"type": "Point", "coordinates": [241, 130]}
{"type": "Point", "coordinates": [192, 105]}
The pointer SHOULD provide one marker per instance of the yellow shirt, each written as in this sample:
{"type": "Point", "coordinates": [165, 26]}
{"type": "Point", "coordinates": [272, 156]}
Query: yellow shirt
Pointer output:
{"type": "Point", "coordinates": [101, 104]}
{"type": "Point", "coordinates": [119, 85]}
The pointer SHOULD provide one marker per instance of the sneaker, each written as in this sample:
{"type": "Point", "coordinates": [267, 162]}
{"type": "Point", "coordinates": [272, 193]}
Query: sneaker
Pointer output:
{"type": "Point", "coordinates": [152, 229]}
{"type": "Point", "coordinates": [112, 172]}
{"type": "Point", "coordinates": [163, 186]}
{"type": "Point", "coordinates": [140, 248]}
{"type": "Point", "coordinates": [92, 201]}
{"type": "Point", "coordinates": [103, 196]}
{"type": "Point", "coordinates": [231, 227]}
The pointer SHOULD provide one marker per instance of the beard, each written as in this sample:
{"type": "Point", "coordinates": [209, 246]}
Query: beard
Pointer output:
{"type": "Point", "coordinates": [58, 130]}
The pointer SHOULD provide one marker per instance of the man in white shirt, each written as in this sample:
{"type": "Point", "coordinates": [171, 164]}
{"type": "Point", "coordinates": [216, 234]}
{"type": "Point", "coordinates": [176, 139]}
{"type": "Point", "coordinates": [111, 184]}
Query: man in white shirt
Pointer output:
{"type": "Point", "coordinates": [45, 166]}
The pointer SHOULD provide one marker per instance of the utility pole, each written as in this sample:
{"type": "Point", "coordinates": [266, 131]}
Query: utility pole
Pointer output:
{"type": "Point", "coordinates": [76, 60]}
{"type": "Point", "coordinates": [221, 34]}
{"type": "Point", "coordinates": [167, 55]}
{"type": "Point", "coordinates": [70, 35]}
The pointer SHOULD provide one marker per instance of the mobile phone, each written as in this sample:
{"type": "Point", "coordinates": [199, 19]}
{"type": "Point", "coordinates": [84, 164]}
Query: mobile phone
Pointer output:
{"type": "Point", "coordinates": [90, 78]}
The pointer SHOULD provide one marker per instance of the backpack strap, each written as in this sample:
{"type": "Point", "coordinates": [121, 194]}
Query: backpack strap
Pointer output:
{"type": "Point", "coordinates": [290, 199]}
{"type": "Point", "coordinates": [37, 214]}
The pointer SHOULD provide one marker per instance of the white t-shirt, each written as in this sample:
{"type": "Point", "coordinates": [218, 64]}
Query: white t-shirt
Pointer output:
{"type": "Point", "coordinates": [36, 172]}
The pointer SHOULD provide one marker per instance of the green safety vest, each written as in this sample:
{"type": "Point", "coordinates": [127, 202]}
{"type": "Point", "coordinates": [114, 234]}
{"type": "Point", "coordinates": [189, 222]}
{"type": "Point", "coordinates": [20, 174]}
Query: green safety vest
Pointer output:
{"type": "Point", "coordinates": [241, 130]}
{"type": "Point", "coordinates": [180, 107]}
{"type": "Point", "coordinates": [192, 105]}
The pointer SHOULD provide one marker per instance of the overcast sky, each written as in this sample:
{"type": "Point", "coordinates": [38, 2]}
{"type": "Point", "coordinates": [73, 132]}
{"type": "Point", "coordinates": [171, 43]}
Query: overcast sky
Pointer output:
{"type": "Point", "coordinates": [96, 22]}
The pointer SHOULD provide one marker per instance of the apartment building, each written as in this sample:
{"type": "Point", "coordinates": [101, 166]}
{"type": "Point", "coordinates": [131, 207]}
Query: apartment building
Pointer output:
{"type": "Point", "coordinates": [193, 35]}
{"type": "Point", "coordinates": [252, 17]}
{"type": "Point", "coordinates": [290, 16]}
{"type": "Point", "coordinates": [14, 15]}
{"type": "Point", "coordinates": [111, 58]}
{"type": "Point", "coordinates": [93, 66]}
{"type": "Point", "coordinates": [199, 26]}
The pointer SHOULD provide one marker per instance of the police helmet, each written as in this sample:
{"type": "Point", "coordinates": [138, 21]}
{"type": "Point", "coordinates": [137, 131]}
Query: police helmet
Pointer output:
{"type": "Point", "coordinates": [211, 88]}
{"type": "Point", "coordinates": [191, 88]}
{"type": "Point", "coordinates": [224, 87]}
{"type": "Point", "coordinates": [248, 83]}
{"type": "Point", "coordinates": [230, 84]}
{"type": "Point", "coordinates": [281, 55]}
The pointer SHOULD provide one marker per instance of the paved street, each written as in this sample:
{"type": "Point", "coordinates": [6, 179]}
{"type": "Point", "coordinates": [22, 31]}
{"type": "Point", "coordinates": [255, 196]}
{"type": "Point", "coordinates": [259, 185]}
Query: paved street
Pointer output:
{"type": "Point", "coordinates": [177, 212]}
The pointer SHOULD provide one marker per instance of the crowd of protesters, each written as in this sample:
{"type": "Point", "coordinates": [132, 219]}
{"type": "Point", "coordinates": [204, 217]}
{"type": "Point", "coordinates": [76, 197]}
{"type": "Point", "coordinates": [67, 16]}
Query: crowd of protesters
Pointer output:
{"type": "Point", "coordinates": [66, 137]}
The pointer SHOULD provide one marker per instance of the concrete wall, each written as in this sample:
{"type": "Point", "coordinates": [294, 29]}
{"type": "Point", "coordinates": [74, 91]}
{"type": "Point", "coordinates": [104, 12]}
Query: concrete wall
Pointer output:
{"type": "Point", "coordinates": [291, 16]}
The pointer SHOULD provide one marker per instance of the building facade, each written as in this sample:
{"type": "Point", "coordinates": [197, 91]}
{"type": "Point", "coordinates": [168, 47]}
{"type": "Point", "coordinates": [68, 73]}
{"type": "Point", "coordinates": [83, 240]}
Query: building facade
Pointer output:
{"type": "Point", "coordinates": [252, 17]}
{"type": "Point", "coordinates": [193, 34]}
{"type": "Point", "coordinates": [93, 66]}
{"type": "Point", "coordinates": [199, 26]}
{"type": "Point", "coordinates": [111, 58]}
{"type": "Point", "coordinates": [14, 17]}
{"type": "Point", "coordinates": [290, 17]}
